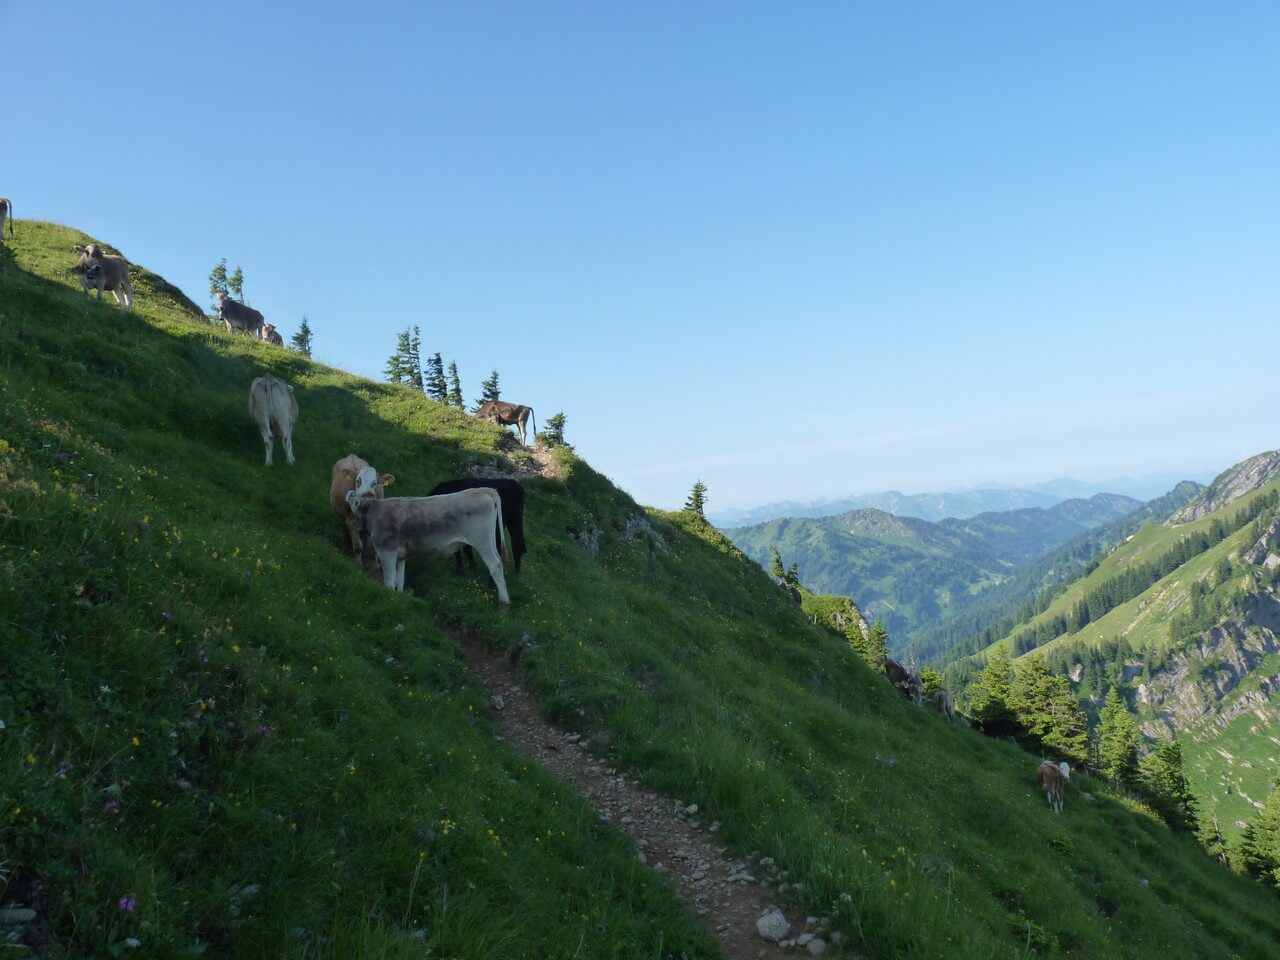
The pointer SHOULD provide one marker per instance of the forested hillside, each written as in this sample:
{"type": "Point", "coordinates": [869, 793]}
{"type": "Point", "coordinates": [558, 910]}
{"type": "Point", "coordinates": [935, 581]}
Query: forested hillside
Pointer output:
{"type": "Point", "coordinates": [911, 573]}
{"type": "Point", "coordinates": [219, 737]}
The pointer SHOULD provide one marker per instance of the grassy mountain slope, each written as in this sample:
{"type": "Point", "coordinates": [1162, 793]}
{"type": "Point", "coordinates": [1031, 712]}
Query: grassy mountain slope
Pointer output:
{"type": "Point", "coordinates": [208, 710]}
{"type": "Point", "coordinates": [913, 573]}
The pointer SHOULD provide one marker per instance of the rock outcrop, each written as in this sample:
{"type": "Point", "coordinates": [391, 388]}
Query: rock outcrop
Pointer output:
{"type": "Point", "coordinates": [1230, 485]}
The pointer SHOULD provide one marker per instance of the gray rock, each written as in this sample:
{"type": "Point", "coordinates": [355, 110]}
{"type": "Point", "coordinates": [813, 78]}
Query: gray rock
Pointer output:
{"type": "Point", "coordinates": [803, 939]}
{"type": "Point", "coordinates": [773, 926]}
{"type": "Point", "coordinates": [498, 702]}
{"type": "Point", "coordinates": [16, 915]}
{"type": "Point", "coordinates": [816, 947]}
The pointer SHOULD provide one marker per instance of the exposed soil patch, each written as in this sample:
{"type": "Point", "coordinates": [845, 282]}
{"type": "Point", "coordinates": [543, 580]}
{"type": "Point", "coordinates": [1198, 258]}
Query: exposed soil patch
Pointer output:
{"type": "Point", "coordinates": [724, 892]}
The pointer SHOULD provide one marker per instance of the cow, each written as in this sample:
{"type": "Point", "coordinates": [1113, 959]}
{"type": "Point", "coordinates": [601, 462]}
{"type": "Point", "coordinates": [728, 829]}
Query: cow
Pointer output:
{"type": "Point", "coordinates": [508, 414]}
{"type": "Point", "coordinates": [346, 476]}
{"type": "Point", "coordinates": [512, 495]}
{"type": "Point", "coordinates": [399, 526]}
{"type": "Point", "coordinates": [6, 212]}
{"type": "Point", "coordinates": [100, 271]}
{"type": "Point", "coordinates": [941, 699]}
{"type": "Point", "coordinates": [270, 335]}
{"type": "Point", "coordinates": [1051, 778]}
{"type": "Point", "coordinates": [906, 681]}
{"type": "Point", "coordinates": [236, 316]}
{"type": "Point", "coordinates": [275, 410]}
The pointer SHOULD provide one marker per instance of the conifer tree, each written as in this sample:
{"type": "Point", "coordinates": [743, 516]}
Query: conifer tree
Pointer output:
{"type": "Point", "coordinates": [489, 390]}
{"type": "Point", "coordinates": [776, 569]}
{"type": "Point", "coordinates": [989, 692]}
{"type": "Point", "coordinates": [413, 361]}
{"type": "Point", "coordinates": [932, 681]}
{"type": "Point", "coordinates": [554, 434]}
{"type": "Point", "coordinates": [302, 339]}
{"type": "Point", "coordinates": [792, 576]}
{"type": "Point", "coordinates": [235, 283]}
{"type": "Point", "coordinates": [398, 370]}
{"type": "Point", "coordinates": [857, 639]}
{"type": "Point", "coordinates": [1209, 833]}
{"type": "Point", "coordinates": [455, 387]}
{"type": "Point", "coordinates": [1259, 848]}
{"type": "Point", "coordinates": [217, 285]}
{"type": "Point", "coordinates": [1117, 741]}
{"type": "Point", "coordinates": [437, 389]}
{"type": "Point", "coordinates": [877, 651]}
{"type": "Point", "coordinates": [697, 499]}
{"type": "Point", "coordinates": [1164, 783]}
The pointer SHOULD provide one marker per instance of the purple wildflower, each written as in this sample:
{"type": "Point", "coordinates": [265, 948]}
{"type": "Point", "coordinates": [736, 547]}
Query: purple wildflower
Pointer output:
{"type": "Point", "coordinates": [202, 656]}
{"type": "Point", "coordinates": [127, 904]}
{"type": "Point", "coordinates": [61, 456]}
{"type": "Point", "coordinates": [263, 730]}
{"type": "Point", "coordinates": [111, 807]}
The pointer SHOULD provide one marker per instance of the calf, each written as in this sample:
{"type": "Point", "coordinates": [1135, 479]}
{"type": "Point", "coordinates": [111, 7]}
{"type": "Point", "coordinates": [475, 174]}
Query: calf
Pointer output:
{"type": "Point", "coordinates": [236, 316]}
{"type": "Point", "coordinates": [348, 474]}
{"type": "Point", "coordinates": [100, 271]}
{"type": "Point", "coordinates": [941, 699]}
{"type": "Point", "coordinates": [274, 409]}
{"type": "Point", "coordinates": [270, 335]}
{"type": "Point", "coordinates": [1051, 778]}
{"type": "Point", "coordinates": [906, 681]}
{"type": "Point", "coordinates": [399, 526]}
{"type": "Point", "coordinates": [508, 414]}
{"type": "Point", "coordinates": [512, 495]}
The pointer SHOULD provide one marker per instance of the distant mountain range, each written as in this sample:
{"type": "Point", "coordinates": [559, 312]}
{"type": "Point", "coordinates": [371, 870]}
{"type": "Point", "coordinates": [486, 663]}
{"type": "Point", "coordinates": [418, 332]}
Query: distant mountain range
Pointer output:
{"type": "Point", "coordinates": [913, 573]}
{"type": "Point", "coordinates": [960, 504]}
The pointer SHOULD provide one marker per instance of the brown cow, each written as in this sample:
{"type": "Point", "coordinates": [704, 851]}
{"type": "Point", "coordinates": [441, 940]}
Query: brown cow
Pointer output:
{"type": "Point", "coordinates": [344, 478]}
{"type": "Point", "coordinates": [1051, 778]}
{"type": "Point", "coordinates": [508, 414]}
{"type": "Point", "coordinates": [275, 410]}
{"type": "Point", "coordinates": [6, 211]}
{"type": "Point", "coordinates": [906, 681]}
{"type": "Point", "coordinates": [270, 335]}
{"type": "Point", "coordinates": [100, 271]}
{"type": "Point", "coordinates": [237, 316]}
{"type": "Point", "coordinates": [399, 526]}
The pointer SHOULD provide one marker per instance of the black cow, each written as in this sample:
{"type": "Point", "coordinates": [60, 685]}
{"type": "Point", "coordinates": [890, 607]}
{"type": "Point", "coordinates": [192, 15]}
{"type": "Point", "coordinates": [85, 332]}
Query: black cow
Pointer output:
{"type": "Point", "coordinates": [512, 496]}
{"type": "Point", "coordinates": [909, 683]}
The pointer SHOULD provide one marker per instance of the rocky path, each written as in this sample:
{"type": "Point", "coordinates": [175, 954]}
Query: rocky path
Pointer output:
{"type": "Point", "coordinates": [736, 899]}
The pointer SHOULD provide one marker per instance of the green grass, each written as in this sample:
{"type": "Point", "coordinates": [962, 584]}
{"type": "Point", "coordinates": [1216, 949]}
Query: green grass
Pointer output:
{"type": "Point", "coordinates": [148, 552]}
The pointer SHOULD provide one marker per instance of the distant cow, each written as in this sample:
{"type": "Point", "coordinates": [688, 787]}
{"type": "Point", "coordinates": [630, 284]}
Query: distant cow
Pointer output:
{"type": "Point", "coordinates": [270, 335]}
{"type": "Point", "coordinates": [274, 409]}
{"type": "Point", "coordinates": [6, 212]}
{"type": "Point", "coordinates": [512, 495]}
{"type": "Point", "coordinates": [101, 271]}
{"type": "Point", "coordinates": [941, 699]}
{"type": "Point", "coordinates": [351, 473]}
{"type": "Point", "coordinates": [906, 681]}
{"type": "Point", "coordinates": [508, 414]}
{"type": "Point", "coordinates": [1051, 778]}
{"type": "Point", "coordinates": [236, 316]}
{"type": "Point", "coordinates": [399, 526]}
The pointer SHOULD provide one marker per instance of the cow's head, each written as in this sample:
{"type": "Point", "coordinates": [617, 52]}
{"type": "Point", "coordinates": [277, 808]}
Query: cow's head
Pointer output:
{"type": "Point", "coordinates": [369, 484]}
{"type": "Point", "coordinates": [222, 298]}
{"type": "Point", "coordinates": [1065, 768]}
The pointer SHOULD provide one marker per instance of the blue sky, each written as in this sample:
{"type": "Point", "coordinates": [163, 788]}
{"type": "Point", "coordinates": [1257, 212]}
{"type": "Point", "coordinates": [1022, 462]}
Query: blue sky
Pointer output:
{"type": "Point", "coordinates": [796, 251]}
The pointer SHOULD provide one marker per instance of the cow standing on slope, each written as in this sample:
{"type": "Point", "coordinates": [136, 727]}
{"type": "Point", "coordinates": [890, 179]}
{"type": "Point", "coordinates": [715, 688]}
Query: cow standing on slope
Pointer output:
{"type": "Point", "coordinates": [512, 495]}
{"type": "Point", "coordinates": [6, 213]}
{"type": "Point", "coordinates": [270, 335]}
{"type": "Point", "coordinates": [236, 316]}
{"type": "Point", "coordinates": [1052, 778]}
{"type": "Point", "coordinates": [507, 415]}
{"type": "Point", "coordinates": [275, 410]}
{"type": "Point", "coordinates": [909, 683]}
{"type": "Point", "coordinates": [350, 474]}
{"type": "Point", "coordinates": [101, 271]}
{"type": "Point", "coordinates": [399, 526]}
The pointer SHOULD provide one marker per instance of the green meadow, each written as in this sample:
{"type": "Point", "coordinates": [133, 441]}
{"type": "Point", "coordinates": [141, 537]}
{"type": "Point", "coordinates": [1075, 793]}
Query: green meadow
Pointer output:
{"type": "Point", "coordinates": [221, 738]}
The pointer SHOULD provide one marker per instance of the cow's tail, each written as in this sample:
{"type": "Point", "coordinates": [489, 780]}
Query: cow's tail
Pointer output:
{"type": "Point", "coordinates": [535, 421]}
{"type": "Point", "coordinates": [502, 547]}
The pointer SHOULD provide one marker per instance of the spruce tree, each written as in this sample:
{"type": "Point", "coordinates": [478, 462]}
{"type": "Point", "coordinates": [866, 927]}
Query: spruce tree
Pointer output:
{"type": "Point", "coordinates": [489, 390]}
{"type": "Point", "coordinates": [413, 360]}
{"type": "Point", "coordinates": [302, 339]}
{"type": "Point", "coordinates": [1260, 845]}
{"type": "Point", "coordinates": [697, 499]}
{"type": "Point", "coordinates": [877, 651]}
{"type": "Point", "coordinates": [1117, 741]}
{"type": "Point", "coordinates": [1164, 783]}
{"type": "Point", "coordinates": [989, 692]}
{"type": "Point", "coordinates": [235, 283]}
{"type": "Point", "coordinates": [857, 639]}
{"type": "Point", "coordinates": [792, 576]}
{"type": "Point", "coordinates": [776, 569]}
{"type": "Point", "coordinates": [932, 681]}
{"type": "Point", "coordinates": [217, 285]}
{"type": "Point", "coordinates": [455, 387]}
{"type": "Point", "coordinates": [553, 436]}
{"type": "Point", "coordinates": [398, 370]}
{"type": "Point", "coordinates": [437, 389]}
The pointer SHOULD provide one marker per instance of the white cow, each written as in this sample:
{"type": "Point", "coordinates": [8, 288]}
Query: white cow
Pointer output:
{"type": "Point", "coordinates": [399, 526]}
{"type": "Point", "coordinates": [274, 409]}
{"type": "Point", "coordinates": [6, 212]}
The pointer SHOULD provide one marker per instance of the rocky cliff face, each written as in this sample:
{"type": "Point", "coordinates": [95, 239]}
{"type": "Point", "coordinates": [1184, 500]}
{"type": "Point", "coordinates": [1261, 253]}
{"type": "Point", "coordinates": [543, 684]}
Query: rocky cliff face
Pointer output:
{"type": "Point", "coordinates": [1231, 484]}
{"type": "Point", "coordinates": [1192, 689]}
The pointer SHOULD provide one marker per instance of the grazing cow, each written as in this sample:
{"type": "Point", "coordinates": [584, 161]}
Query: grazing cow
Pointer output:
{"type": "Point", "coordinates": [236, 316]}
{"type": "Point", "coordinates": [275, 410]}
{"type": "Point", "coordinates": [6, 212]}
{"type": "Point", "coordinates": [270, 335]}
{"type": "Point", "coordinates": [100, 271]}
{"type": "Point", "coordinates": [1051, 777]}
{"type": "Point", "coordinates": [399, 526]}
{"type": "Point", "coordinates": [508, 414]}
{"type": "Point", "coordinates": [352, 473]}
{"type": "Point", "coordinates": [941, 699]}
{"type": "Point", "coordinates": [512, 495]}
{"type": "Point", "coordinates": [906, 681]}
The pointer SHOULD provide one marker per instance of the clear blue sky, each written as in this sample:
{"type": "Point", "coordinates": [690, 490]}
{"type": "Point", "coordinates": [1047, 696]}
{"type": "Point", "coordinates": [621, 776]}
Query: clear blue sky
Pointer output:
{"type": "Point", "coordinates": [792, 250]}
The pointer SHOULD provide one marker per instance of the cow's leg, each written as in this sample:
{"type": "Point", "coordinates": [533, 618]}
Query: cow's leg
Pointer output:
{"type": "Point", "coordinates": [457, 560]}
{"type": "Point", "coordinates": [387, 560]}
{"type": "Point", "coordinates": [287, 439]}
{"type": "Point", "coordinates": [494, 563]}
{"type": "Point", "coordinates": [267, 440]}
{"type": "Point", "coordinates": [353, 536]}
{"type": "Point", "coordinates": [400, 562]}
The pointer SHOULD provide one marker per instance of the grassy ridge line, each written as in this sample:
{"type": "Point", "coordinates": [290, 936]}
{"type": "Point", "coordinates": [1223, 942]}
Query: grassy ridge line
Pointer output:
{"type": "Point", "coordinates": [718, 690]}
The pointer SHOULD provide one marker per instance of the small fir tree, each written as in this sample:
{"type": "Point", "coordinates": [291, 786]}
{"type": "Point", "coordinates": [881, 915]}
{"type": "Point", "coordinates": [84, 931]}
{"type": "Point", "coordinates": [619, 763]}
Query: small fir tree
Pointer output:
{"type": "Point", "coordinates": [437, 389]}
{"type": "Point", "coordinates": [235, 283]}
{"type": "Point", "coordinates": [217, 285]}
{"type": "Point", "coordinates": [857, 639]}
{"type": "Point", "coordinates": [455, 387]}
{"type": "Point", "coordinates": [877, 651]}
{"type": "Point", "coordinates": [1164, 783]}
{"type": "Point", "coordinates": [554, 434]}
{"type": "Point", "coordinates": [398, 370]}
{"type": "Point", "coordinates": [697, 501]}
{"type": "Point", "coordinates": [1117, 741]}
{"type": "Point", "coordinates": [792, 576]}
{"type": "Point", "coordinates": [988, 694]}
{"type": "Point", "coordinates": [302, 339]}
{"type": "Point", "coordinates": [776, 569]}
{"type": "Point", "coordinates": [489, 390]}
{"type": "Point", "coordinates": [931, 679]}
{"type": "Point", "coordinates": [413, 360]}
